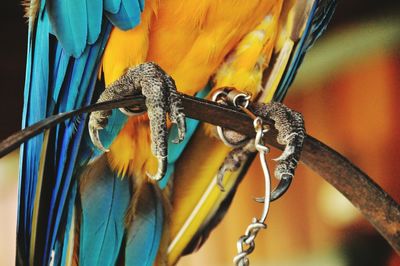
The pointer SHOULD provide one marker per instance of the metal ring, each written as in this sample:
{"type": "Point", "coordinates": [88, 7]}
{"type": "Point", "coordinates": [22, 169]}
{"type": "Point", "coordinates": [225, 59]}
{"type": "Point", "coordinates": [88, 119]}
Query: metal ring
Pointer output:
{"type": "Point", "coordinates": [233, 96]}
{"type": "Point", "coordinates": [238, 98]}
{"type": "Point", "coordinates": [218, 93]}
{"type": "Point", "coordinates": [131, 112]}
{"type": "Point", "coordinates": [240, 245]}
{"type": "Point", "coordinates": [241, 259]}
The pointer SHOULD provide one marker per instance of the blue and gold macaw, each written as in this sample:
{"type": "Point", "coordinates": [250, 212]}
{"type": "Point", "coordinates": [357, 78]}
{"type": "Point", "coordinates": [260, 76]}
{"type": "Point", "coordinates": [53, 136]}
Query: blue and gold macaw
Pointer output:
{"type": "Point", "coordinates": [88, 194]}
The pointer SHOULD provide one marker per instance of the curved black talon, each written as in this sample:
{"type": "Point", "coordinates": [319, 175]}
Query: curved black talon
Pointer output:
{"type": "Point", "coordinates": [278, 192]}
{"type": "Point", "coordinates": [281, 189]}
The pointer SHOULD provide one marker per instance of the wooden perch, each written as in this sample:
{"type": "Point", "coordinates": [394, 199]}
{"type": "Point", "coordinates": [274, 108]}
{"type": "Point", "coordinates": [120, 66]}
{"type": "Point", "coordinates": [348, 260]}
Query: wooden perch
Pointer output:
{"type": "Point", "coordinates": [374, 203]}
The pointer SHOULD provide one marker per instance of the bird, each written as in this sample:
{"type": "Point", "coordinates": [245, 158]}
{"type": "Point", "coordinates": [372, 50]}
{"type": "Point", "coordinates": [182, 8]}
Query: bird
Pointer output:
{"type": "Point", "coordinates": [123, 187]}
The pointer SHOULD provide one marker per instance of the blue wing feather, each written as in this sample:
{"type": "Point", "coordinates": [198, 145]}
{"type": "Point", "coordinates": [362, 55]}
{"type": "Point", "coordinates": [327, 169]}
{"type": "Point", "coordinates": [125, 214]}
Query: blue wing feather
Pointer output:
{"type": "Point", "coordinates": [34, 100]}
{"type": "Point", "coordinates": [94, 10]}
{"type": "Point", "coordinates": [112, 6]}
{"type": "Point", "coordinates": [127, 16]}
{"type": "Point", "coordinates": [69, 133]}
{"type": "Point", "coordinates": [61, 73]}
{"type": "Point", "coordinates": [68, 20]}
{"type": "Point", "coordinates": [320, 15]}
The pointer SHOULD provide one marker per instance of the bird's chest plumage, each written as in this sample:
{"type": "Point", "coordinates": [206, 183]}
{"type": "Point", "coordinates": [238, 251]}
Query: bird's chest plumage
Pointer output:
{"type": "Point", "coordinates": [189, 40]}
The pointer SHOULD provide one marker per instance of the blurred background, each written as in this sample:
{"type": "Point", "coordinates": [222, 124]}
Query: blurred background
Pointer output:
{"type": "Point", "coordinates": [348, 89]}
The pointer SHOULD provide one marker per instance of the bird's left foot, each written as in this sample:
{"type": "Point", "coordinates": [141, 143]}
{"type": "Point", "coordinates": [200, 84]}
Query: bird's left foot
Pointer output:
{"type": "Point", "coordinates": [291, 134]}
{"type": "Point", "coordinates": [159, 90]}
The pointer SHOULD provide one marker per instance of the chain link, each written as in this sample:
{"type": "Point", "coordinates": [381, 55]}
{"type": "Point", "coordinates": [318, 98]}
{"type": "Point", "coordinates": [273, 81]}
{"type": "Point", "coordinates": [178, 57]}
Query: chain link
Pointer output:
{"type": "Point", "coordinates": [246, 244]}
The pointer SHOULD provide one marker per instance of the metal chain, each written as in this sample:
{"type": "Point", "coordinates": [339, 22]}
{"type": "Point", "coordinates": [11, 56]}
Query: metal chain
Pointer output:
{"type": "Point", "coordinates": [246, 244]}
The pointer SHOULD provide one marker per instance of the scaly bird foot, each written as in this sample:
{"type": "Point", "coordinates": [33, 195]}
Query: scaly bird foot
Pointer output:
{"type": "Point", "coordinates": [291, 133]}
{"type": "Point", "coordinates": [159, 90]}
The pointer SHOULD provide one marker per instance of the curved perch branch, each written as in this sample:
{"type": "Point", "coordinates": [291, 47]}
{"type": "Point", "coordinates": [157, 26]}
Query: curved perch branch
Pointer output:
{"type": "Point", "coordinates": [374, 203]}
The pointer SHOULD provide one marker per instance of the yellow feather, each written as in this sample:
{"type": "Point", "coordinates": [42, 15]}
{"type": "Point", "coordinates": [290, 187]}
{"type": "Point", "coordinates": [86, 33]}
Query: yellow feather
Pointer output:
{"type": "Point", "coordinates": [127, 48]}
{"type": "Point", "coordinates": [130, 153]}
{"type": "Point", "coordinates": [71, 242]}
{"type": "Point", "coordinates": [195, 191]}
{"type": "Point", "coordinates": [244, 67]}
{"type": "Point", "coordinates": [38, 195]}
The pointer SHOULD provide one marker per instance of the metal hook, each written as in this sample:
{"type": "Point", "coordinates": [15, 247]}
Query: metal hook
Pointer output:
{"type": "Point", "coordinates": [238, 99]}
{"type": "Point", "coordinates": [284, 183]}
{"type": "Point", "coordinates": [263, 150]}
{"type": "Point", "coordinates": [132, 110]}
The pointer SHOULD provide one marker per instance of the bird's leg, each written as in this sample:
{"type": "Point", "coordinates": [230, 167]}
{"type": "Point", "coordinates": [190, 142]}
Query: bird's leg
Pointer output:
{"type": "Point", "coordinates": [291, 133]}
{"type": "Point", "coordinates": [159, 90]}
{"type": "Point", "coordinates": [234, 160]}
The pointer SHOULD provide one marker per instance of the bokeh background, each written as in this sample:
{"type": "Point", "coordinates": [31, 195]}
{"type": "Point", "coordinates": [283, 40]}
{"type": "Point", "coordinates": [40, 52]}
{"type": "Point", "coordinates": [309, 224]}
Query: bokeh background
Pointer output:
{"type": "Point", "coordinates": [348, 89]}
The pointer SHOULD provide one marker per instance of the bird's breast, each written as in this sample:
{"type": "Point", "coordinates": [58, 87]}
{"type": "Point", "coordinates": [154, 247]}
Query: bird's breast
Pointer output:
{"type": "Point", "coordinates": [189, 40]}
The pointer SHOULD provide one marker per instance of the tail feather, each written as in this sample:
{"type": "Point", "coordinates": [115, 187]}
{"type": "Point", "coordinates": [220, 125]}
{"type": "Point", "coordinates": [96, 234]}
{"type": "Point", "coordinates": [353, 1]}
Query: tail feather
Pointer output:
{"type": "Point", "coordinates": [104, 200]}
{"type": "Point", "coordinates": [145, 231]}
{"type": "Point", "coordinates": [119, 225]}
